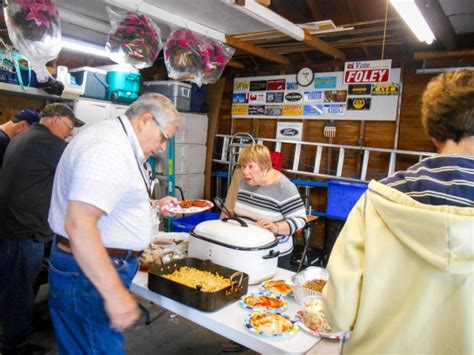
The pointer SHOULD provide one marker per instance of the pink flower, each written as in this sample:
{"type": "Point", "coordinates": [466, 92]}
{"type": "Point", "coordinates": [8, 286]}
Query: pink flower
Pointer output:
{"type": "Point", "coordinates": [36, 15]}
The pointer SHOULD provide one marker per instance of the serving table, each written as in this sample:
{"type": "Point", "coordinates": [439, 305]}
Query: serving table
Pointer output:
{"type": "Point", "coordinates": [229, 322]}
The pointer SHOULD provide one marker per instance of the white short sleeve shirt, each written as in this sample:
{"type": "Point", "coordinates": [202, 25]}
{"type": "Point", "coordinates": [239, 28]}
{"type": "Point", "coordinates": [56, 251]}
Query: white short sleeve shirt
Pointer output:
{"type": "Point", "coordinates": [103, 166]}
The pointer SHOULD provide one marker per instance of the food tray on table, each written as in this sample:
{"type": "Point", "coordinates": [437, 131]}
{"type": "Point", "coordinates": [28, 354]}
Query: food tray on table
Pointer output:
{"type": "Point", "coordinates": [196, 297]}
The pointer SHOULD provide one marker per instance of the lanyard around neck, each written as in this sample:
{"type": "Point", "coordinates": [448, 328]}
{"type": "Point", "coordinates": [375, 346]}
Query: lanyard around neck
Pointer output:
{"type": "Point", "coordinates": [147, 186]}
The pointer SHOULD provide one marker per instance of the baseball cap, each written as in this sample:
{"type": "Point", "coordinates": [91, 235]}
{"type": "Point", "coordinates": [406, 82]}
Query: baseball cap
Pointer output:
{"type": "Point", "coordinates": [28, 115]}
{"type": "Point", "coordinates": [58, 109]}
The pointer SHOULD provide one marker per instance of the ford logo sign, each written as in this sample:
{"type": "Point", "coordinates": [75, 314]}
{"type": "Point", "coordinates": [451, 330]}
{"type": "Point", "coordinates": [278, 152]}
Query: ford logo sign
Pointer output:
{"type": "Point", "coordinates": [293, 96]}
{"type": "Point", "coordinates": [289, 132]}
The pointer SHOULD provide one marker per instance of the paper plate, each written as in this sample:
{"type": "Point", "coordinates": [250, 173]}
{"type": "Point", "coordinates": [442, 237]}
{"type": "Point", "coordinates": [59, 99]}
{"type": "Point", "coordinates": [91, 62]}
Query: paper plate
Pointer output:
{"type": "Point", "coordinates": [178, 209]}
{"type": "Point", "coordinates": [258, 308]}
{"type": "Point", "coordinates": [299, 321]}
{"type": "Point", "coordinates": [280, 287]}
{"type": "Point", "coordinates": [292, 330]}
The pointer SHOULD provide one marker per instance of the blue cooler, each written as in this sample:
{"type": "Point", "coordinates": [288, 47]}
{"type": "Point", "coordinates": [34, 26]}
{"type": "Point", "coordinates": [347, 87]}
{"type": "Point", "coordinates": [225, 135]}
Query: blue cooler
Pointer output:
{"type": "Point", "coordinates": [186, 224]}
{"type": "Point", "coordinates": [123, 83]}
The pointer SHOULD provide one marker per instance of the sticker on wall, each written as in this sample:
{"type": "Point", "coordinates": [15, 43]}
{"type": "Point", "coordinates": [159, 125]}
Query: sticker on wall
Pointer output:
{"type": "Point", "coordinates": [334, 109]}
{"type": "Point", "coordinates": [313, 96]}
{"type": "Point", "coordinates": [335, 96]}
{"type": "Point", "coordinates": [257, 98]}
{"type": "Point", "coordinates": [292, 85]}
{"type": "Point", "coordinates": [293, 97]}
{"type": "Point", "coordinates": [258, 85]}
{"type": "Point", "coordinates": [325, 82]}
{"type": "Point", "coordinates": [385, 89]}
{"type": "Point", "coordinates": [256, 109]}
{"type": "Point", "coordinates": [241, 86]}
{"type": "Point", "coordinates": [313, 110]}
{"type": "Point", "coordinates": [292, 110]}
{"type": "Point", "coordinates": [240, 110]}
{"type": "Point", "coordinates": [242, 98]}
{"type": "Point", "coordinates": [290, 131]}
{"type": "Point", "coordinates": [278, 84]}
{"type": "Point", "coordinates": [360, 89]}
{"type": "Point", "coordinates": [274, 97]}
{"type": "Point", "coordinates": [367, 72]}
{"type": "Point", "coordinates": [273, 110]}
{"type": "Point", "coordinates": [358, 103]}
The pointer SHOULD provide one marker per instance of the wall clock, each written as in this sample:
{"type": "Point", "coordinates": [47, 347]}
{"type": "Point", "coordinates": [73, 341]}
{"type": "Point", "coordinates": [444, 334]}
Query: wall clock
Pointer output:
{"type": "Point", "coordinates": [304, 77]}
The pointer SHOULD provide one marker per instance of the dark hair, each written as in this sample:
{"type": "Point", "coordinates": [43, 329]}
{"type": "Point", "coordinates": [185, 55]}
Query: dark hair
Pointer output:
{"type": "Point", "coordinates": [448, 106]}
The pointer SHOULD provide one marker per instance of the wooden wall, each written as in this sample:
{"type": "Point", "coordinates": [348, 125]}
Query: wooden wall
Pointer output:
{"type": "Point", "coordinates": [373, 134]}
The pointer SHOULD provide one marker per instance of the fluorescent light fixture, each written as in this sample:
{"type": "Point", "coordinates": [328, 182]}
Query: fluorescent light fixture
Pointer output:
{"type": "Point", "coordinates": [268, 17]}
{"type": "Point", "coordinates": [84, 47]}
{"type": "Point", "coordinates": [412, 16]}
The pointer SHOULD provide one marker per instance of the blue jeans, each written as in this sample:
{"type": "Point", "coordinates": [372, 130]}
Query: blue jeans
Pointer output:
{"type": "Point", "coordinates": [20, 264]}
{"type": "Point", "coordinates": [80, 322]}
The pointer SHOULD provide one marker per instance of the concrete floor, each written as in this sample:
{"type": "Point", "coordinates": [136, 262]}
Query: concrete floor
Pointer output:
{"type": "Point", "coordinates": [167, 334]}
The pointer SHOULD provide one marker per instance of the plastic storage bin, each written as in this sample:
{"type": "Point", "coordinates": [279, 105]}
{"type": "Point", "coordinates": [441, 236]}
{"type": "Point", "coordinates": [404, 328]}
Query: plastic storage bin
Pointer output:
{"type": "Point", "coordinates": [12, 78]}
{"type": "Point", "coordinates": [342, 196]}
{"type": "Point", "coordinates": [176, 91]}
{"type": "Point", "coordinates": [186, 224]}
{"type": "Point", "coordinates": [95, 81]}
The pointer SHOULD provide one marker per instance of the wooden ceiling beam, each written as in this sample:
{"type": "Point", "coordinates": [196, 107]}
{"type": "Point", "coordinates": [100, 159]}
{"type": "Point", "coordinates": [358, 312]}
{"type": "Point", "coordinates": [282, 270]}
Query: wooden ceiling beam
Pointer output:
{"type": "Point", "coordinates": [314, 9]}
{"type": "Point", "coordinates": [444, 55]}
{"type": "Point", "coordinates": [438, 22]}
{"type": "Point", "coordinates": [235, 64]}
{"type": "Point", "coordinates": [258, 51]}
{"type": "Point", "coordinates": [322, 46]}
{"type": "Point", "coordinates": [354, 17]}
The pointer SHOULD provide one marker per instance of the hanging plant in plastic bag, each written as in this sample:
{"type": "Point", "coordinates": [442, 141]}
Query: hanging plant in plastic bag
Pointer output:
{"type": "Point", "coordinates": [182, 56]}
{"type": "Point", "coordinates": [192, 57]}
{"type": "Point", "coordinates": [134, 39]}
{"type": "Point", "coordinates": [215, 56]}
{"type": "Point", "coordinates": [34, 29]}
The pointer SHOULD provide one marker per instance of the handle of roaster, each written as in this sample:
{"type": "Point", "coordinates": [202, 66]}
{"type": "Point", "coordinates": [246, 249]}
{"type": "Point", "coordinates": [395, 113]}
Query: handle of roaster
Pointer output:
{"type": "Point", "coordinates": [271, 254]}
{"type": "Point", "coordinates": [238, 219]}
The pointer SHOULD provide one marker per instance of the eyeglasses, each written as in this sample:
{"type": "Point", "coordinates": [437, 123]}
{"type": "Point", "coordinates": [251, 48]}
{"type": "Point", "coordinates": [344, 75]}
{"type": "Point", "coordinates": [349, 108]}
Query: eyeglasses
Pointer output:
{"type": "Point", "coordinates": [65, 123]}
{"type": "Point", "coordinates": [162, 130]}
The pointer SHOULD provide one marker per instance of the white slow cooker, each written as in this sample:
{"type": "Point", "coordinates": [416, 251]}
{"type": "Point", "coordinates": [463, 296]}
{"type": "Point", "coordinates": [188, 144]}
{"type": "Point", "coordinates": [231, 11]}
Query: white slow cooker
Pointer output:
{"type": "Point", "coordinates": [238, 245]}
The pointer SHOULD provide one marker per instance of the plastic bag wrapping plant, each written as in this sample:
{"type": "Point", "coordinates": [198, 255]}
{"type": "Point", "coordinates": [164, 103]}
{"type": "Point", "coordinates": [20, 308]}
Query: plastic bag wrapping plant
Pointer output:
{"type": "Point", "coordinates": [34, 29]}
{"type": "Point", "coordinates": [134, 39]}
{"type": "Point", "coordinates": [215, 56]}
{"type": "Point", "coordinates": [192, 57]}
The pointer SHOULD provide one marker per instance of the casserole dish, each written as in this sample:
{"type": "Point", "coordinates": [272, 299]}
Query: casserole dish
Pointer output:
{"type": "Point", "coordinates": [194, 297]}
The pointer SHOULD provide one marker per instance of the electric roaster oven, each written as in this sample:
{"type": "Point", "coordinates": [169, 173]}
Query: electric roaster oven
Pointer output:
{"type": "Point", "coordinates": [237, 244]}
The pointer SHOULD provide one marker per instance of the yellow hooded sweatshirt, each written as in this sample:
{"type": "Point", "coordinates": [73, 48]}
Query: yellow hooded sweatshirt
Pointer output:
{"type": "Point", "coordinates": [402, 276]}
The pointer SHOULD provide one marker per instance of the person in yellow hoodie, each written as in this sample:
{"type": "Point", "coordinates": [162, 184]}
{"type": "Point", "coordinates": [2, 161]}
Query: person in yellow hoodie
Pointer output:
{"type": "Point", "coordinates": [402, 269]}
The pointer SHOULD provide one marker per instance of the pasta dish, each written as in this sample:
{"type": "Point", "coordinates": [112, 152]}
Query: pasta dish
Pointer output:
{"type": "Point", "coordinates": [203, 280]}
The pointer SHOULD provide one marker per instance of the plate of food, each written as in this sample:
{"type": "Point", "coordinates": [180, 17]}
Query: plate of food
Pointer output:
{"type": "Point", "coordinates": [277, 287]}
{"type": "Point", "coordinates": [190, 206]}
{"type": "Point", "coordinates": [263, 301]}
{"type": "Point", "coordinates": [271, 324]}
{"type": "Point", "coordinates": [313, 320]}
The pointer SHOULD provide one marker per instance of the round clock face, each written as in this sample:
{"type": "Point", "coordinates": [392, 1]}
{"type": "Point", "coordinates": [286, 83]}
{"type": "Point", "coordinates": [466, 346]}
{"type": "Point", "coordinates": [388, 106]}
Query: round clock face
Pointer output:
{"type": "Point", "coordinates": [304, 77]}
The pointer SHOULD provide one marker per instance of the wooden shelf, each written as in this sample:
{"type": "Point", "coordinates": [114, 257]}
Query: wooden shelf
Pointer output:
{"type": "Point", "coordinates": [12, 89]}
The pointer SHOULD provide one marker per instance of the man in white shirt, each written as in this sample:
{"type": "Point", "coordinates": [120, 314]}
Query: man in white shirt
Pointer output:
{"type": "Point", "coordinates": [100, 214]}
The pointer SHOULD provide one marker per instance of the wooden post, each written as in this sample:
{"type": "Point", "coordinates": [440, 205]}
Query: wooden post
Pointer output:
{"type": "Point", "coordinates": [214, 97]}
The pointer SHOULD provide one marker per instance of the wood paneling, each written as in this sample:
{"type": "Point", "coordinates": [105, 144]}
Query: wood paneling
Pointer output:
{"type": "Point", "coordinates": [11, 105]}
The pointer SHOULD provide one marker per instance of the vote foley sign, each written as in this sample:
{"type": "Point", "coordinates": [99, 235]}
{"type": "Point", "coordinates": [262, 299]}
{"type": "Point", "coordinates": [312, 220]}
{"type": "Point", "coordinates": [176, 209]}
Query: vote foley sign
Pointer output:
{"type": "Point", "coordinates": [368, 72]}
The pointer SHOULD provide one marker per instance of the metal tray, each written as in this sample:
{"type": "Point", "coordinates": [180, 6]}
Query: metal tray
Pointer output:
{"type": "Point", "coordinates": [204, 301]}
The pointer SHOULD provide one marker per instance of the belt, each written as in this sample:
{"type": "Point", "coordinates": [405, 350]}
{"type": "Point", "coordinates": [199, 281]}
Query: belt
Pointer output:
{"type": "Point", "coordinates": [64, 244]}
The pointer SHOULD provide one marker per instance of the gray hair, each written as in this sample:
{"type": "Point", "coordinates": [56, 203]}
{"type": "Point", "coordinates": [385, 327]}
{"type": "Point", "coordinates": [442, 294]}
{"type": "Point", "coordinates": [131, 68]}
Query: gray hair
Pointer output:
{"type": "Point", "coordinates": [162, 109]}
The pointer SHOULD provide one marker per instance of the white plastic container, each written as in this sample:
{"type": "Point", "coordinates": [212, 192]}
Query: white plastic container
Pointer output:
{"type": "Point", "coordinates": [237, 245]}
